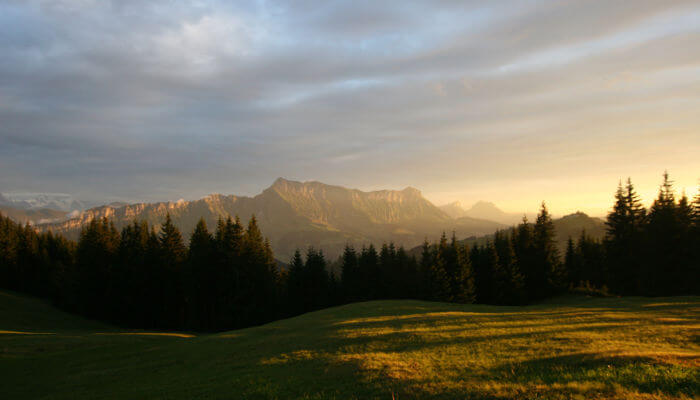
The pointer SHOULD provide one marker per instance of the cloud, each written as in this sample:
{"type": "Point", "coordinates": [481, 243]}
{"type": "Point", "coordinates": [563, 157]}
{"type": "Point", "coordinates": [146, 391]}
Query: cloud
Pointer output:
{"type": "Point", "coordinates": [160, 100]}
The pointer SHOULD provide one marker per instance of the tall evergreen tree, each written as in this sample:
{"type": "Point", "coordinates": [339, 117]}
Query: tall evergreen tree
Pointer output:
{"type": "Point", "coordinates": [296, 276]}
{"type": "Point", "coordinates": [523, 246]}
{"type": "Point", "coordinates": [200, 278]}
{"type": "Point", "coordinates": [316, 279]}
{"type": "Point", "coordinates": [664, 259]}
{"type": "Point", "coordinates": [508, 279]}
{"type": "Point", "coordinates": [625, 225]}
{"type": "Point", "coordinates": [547, 271]}
{"type": "Point", "coordinates": [350, 274]}
{"type": "Point", "coordinates": [172, 257]}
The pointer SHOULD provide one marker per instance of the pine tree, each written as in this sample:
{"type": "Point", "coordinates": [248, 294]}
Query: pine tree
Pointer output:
{"type": "Point", "coordinates": [625, 226]}
{"type": "Point", "coordinates": [425, 271]}
{"type": "Point", "coordinates": [662, 270]}
{"type": "Point", "coordinates": [483, 273]}
{"type": "Point", "coordinates": [172, 256]}
{"type": "Point", "coordinates": [523, 246]}
{"type": "Point", "coordinates": [316, 284]}
{"type": "Point", "coordinates": [349, 278]}
{"type": "Point", "coordinates": [571, 263]}
{"type": "Point", "coordinates": [442, 288]}
{"type": "Point", "coordinates": [296, 277]}
{"type": "Point", "coordinates": [686, 271]}
{"type": "Point", "coordinates": [369, 271]}
{"type": "Point", "coordinates": [200, 264]}
{"type": "Point", "coordinates": [96, 255]}
{"type": "Point", "coordinates": [694, 273]}
{"type": "Point", "coordinates": [466, 290]}
{"type": "Point", "coordinates": [130, 273]}
{"type": "Point", "coordinates": [548, 274]}
{"type": "Point", "coordinates": [508, 275]}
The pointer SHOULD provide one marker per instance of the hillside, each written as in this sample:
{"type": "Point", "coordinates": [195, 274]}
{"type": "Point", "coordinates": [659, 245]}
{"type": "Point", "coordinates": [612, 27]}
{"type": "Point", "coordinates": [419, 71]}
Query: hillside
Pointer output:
{"type": "Point", "coordinates": [297, 215]}
{"type": "Point", "coordinates": [571, 225]}
{"type": "Point", "coordinates": [631, 348]}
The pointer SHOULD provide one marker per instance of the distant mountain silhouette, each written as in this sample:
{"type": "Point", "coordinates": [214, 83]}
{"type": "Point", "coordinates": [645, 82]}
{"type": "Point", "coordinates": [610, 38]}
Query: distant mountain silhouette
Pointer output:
{"type": "Point", "coordinates": [301, 214]}
{"type": "Point", "coordinates": [34, 216]}
{"type": "Point", "coordinates": [38, 201]}
{"type": "Point", "coordinates": [567, 226]}
{"type": "Point", "coordinates": [482, 210]}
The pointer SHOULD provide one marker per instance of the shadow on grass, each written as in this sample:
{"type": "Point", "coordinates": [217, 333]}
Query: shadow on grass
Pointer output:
{"type": "Point", "coordinates": [634, 373]}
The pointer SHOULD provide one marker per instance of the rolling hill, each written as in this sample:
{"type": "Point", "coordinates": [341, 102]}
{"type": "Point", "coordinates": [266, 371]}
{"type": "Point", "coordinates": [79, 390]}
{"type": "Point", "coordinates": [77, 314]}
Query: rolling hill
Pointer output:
{"type": "Point", "coordinates": [571, 225]}
{"type": "Point", "coordinates": [301, 214]}
{"type": "Point", "coordinates": [629, 348]}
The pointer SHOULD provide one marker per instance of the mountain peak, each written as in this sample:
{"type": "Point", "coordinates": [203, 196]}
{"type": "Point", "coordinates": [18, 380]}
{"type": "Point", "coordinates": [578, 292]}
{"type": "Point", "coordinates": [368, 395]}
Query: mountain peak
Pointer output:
{"type": "Point", "coordinates": [280, 181]}
{"type": "Point", "coordinates": [411, 190]}
{"type": "Point", "coordinates": [454, 209]}
{"type": "Point", "coordinates": [484, 206]}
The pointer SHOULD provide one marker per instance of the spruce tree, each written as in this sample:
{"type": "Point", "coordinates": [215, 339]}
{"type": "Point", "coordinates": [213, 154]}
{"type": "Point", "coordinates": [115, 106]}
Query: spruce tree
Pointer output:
{"type": "Point", "coordinates": [172, 256]}
{"type": "Point", "coordinates": [442, 285]}
{"type": "Point", "coordinates": [296, 277]}
{"type": "Point", "coordinates": [199, 278]}
{"type": "Point", "coordinates": [571, 263]}
{"type": "Point", "coordinates": [523, 246]}
{"type": "Point", "coordinates": [662, 268]}
{"type": "Point", "coordinates": [425, 271]}
{"type": "Point", "coordinates": [466, 289]}
{"type": "Point", "coordinates": [687, 270]}
{"type": "Point", "coordinates": [316, 283]}
{"type": "Point", "coordinates": [508, 275]}
{"type": "Point", "coordinates": [548, 274]}
{"type": "Point", "coordinates": [349, 278]}
{"type": "Point", "coordinates": [625, 226]}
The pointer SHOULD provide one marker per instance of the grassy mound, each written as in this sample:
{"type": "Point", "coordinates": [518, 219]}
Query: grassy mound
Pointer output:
{"type": "Point", "coordinates": [569, 348]}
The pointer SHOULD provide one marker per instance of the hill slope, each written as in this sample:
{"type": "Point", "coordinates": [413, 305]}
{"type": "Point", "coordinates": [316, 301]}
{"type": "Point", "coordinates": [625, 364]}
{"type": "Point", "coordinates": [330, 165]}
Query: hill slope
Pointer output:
{"type": "Point", "coordinates": [581, 348]}
{"type": "Point", "coordinates": [297, 215]}
{"type": "Point", "coordinates": [571, 225]}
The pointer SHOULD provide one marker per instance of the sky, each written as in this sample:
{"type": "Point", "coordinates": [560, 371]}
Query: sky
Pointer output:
{"type": "Point", "coordinates": [513, 102]}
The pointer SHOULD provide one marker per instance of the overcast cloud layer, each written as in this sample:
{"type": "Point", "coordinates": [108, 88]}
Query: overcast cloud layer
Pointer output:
{"type": "Point", "coordinates": [512, 102]}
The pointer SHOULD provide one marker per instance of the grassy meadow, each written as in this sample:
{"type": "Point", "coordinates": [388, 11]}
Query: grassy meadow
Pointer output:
{"type": "Point", "coordinates": [580, 348]}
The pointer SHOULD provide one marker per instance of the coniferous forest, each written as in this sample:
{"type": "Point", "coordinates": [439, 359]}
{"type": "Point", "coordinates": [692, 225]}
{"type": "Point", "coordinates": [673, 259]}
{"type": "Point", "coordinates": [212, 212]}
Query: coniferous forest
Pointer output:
{"type": "Point", "coordinates": [229, 278]}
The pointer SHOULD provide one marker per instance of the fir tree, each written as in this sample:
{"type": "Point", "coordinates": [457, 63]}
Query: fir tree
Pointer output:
{"type": "Point", "coordinates": [350, 279]}
{"type": "Point", "coordinates": [200, 274]}
{"type": "Point", "coordinates": [296, 276]}
{"type": "Point", "coordinates": [662, 271]}
{"type": "Point", "coordinates": [625, 225]}
{"type": "Point", "coordinates": [172, 256]}
{"type": "Point", "coordinates": [547, 271]}
{"type": "Point", "coordinates": [508, 276]}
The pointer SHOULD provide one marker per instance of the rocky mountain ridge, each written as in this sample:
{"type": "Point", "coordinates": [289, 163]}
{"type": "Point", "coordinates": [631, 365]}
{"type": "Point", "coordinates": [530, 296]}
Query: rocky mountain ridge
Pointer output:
{"type": "Point", "coordinates": [301, 214]}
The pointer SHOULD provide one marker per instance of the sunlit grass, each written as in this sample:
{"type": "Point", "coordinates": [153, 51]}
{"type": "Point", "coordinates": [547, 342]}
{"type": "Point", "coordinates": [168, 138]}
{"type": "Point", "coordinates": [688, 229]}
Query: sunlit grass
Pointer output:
{"type": "Point", "coordinates": [568, 348]}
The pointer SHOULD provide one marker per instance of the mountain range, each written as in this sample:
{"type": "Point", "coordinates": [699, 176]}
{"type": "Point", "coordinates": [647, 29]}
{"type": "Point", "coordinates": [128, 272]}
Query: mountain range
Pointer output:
{"type": "Point", "coordinates": [38, 201]}
{"type": "Point", "coordinates": [572, 225]}
{"type": "Point", "coordinates": [484, 210]}
{"type": "Point", "coordinates": [301, 214]}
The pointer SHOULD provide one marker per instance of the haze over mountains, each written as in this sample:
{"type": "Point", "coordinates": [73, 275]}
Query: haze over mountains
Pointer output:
{"type": "Point", "coordinates": [572, 225]}
{"type": "Point", "coordinates": [37, 201]}
{"type": "Point", "coordinates": [301, 214]}
{"type": "Point", "coordinates": [483, 210]}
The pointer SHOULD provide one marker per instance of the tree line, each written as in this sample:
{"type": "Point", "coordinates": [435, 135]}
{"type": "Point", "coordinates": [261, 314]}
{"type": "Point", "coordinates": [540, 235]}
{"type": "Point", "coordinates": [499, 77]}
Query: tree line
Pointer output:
{"type": "Point", "coordinates": [654, 252]}
{"type": "Point", "coordinates": [229, 278]}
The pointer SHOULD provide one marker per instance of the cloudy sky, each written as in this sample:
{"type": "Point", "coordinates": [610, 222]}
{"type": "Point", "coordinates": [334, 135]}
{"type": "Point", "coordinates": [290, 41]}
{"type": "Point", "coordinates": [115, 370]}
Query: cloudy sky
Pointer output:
{"type": "Point", "coordinates": [509, 101]}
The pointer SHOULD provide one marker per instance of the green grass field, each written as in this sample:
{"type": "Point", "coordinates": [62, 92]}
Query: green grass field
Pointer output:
{"type": "Point", "coordinates": [568, 348]}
